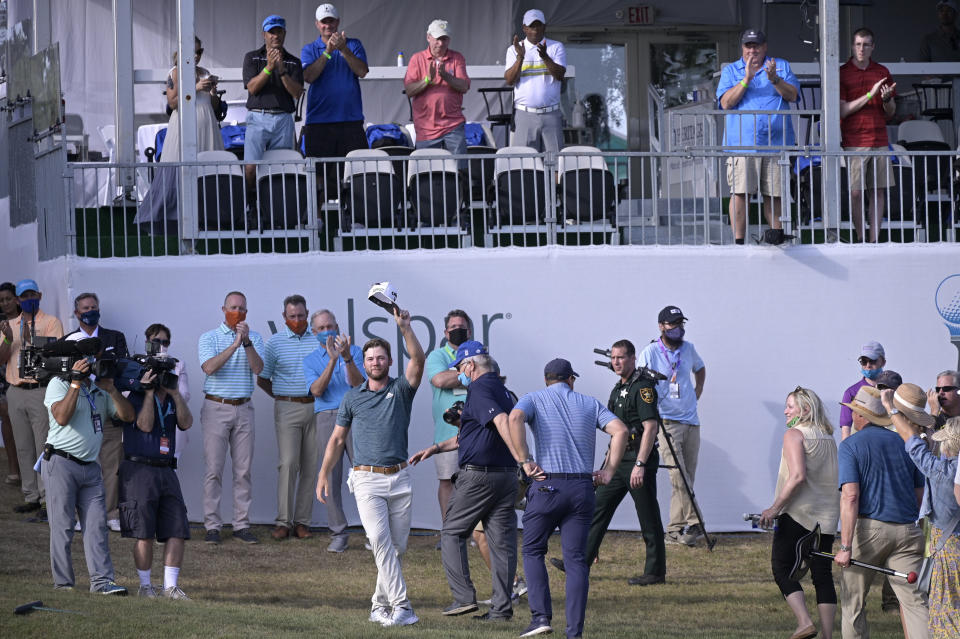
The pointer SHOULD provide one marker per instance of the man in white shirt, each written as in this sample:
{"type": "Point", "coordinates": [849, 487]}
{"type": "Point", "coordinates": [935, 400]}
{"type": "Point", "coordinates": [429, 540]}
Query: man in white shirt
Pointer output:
{"type": "Point", "coordinates": [535, 67]}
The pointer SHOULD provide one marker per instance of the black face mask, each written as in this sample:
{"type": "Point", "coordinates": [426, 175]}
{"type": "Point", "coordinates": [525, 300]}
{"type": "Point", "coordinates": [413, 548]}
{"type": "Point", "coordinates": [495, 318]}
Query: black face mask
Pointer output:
{"type": "Point", "coordinates": [457, 336]}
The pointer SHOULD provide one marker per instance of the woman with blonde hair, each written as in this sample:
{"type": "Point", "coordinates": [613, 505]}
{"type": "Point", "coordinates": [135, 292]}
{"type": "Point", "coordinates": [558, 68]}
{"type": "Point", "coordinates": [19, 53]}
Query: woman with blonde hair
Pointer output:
{"type": "Point", "coordinates": [806, 495]}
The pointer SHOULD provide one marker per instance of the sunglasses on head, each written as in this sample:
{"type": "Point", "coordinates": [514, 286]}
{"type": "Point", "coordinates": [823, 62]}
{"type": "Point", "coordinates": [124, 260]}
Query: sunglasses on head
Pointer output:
{"type": "Point", "coordinates": [945, 389]}
{"type": "Point", "coordinates": [161, 342]}
{"type": "Point", "coordinates": [866, 360]}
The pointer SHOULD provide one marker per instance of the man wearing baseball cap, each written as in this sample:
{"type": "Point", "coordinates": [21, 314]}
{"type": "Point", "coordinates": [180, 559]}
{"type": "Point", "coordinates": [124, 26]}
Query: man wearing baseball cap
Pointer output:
{"type": "Point", "coordinates": [274, 80]}
{"type": "Point", "coordinates": [564, 424]}
{"type": "Point", "coordinates": [677, 398]}
{"type": "Point", "coordinates": [333, 65]}
{"type": "Point", "coordinates": [484, 489]}
{"type": "Point", "coordinates": [756, 82]}
{"type": "Point", "coordinates": [872, 360]}
{"type": "Point", "coordinates": [535, 68]}
{"type": "Point", "coordinates": [28, 415]}
{"type": "Point", "coordinates": [880, 491]}
{"type": "Point", "coordinates": [436, 80]}
{"type": "Point", "coordinates": [942, 45]}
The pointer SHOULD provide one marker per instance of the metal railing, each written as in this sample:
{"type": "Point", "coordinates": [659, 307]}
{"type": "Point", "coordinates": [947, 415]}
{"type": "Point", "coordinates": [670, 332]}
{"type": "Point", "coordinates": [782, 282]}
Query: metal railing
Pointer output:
{"type": "Point", "coordinates": [484, 199]}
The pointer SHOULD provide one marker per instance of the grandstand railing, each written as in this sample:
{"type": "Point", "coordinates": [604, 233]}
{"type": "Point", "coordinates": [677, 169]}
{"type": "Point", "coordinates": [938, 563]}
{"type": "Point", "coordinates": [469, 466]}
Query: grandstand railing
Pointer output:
{"type": "Point", "coordinates": [485, 200]}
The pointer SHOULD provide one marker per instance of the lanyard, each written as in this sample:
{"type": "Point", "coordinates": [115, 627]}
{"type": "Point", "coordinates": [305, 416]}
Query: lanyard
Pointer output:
{"type": "Point", "coordinates": [93, 406]}
{"type": "Point", "coordinates": [163, 416]}
{"type": "Point", "coordinates": [673, 365]}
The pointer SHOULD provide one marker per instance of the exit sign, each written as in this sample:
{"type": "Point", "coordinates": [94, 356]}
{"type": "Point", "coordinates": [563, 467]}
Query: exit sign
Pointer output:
{"type": "Point", "coordinates": [640, 15]}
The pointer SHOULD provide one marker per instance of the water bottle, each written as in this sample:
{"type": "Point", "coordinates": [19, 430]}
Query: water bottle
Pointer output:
{"type": "Point", "coordinates": [400, 62]}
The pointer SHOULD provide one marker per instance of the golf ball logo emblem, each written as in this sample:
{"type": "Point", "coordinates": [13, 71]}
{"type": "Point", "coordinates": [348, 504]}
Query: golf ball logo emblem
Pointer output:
{"type": "Point", "coordinates": [947, 300]}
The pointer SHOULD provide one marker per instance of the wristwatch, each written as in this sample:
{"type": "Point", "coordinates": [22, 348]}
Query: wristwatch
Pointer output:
{"type": "Point", "coordinates": [845, 548]}
{"type": "Point", "coordinates": [893, 411]}
{"type": "Point", "coordinates": [246, 344]}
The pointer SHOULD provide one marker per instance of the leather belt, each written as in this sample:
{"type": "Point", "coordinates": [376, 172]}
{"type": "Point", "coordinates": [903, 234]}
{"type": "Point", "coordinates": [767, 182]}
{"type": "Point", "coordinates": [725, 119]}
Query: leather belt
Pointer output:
{"type": "Point", "coordinates": [152, 461]}
{"type": "Point", "coordinates": [303, 399]}
{"type": "Point", "coordinates": [227, 400]}
{"type": "Point", "coordinates": [383, 470]}
{"type": "Point", "coordinates": [547, 109]}
{"type": "Point", "coordinates": [490, 469]}
{"type": "Point", "coordinates": [66, 455]}
{"type": "Point", "coordinates": [569, 476]}
{"type": "Point", "coordinates": [270, 111]}
{"type": "Point", "coordinates": [30, 385]}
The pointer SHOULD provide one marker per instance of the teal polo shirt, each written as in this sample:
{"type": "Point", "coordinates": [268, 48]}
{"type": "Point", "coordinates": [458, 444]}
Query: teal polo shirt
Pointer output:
{"type": "Point", "coordinates": [234, 380]}
{"type": "Point", "coordinates": [438, 361]}
{"type": "Point", "coordinates": [78, 437]}
{"type": "Point", "coordinates": [283, 361]}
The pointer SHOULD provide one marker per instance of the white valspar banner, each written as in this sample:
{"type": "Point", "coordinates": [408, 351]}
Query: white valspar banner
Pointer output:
{"type": "Point", "coordinates": [763, 319]}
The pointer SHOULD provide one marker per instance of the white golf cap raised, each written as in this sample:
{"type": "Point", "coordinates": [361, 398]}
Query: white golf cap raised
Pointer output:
{"type": "Point", "coordinates": [532, 16]}
{"type": "Point", "coordinates": [327, 11]}
{"type": "Point", "coordinates": [439, 28]}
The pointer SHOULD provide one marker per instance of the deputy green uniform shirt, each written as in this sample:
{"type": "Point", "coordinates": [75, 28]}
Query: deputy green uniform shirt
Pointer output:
{"type": "Point", "coordinates": [634, 402]}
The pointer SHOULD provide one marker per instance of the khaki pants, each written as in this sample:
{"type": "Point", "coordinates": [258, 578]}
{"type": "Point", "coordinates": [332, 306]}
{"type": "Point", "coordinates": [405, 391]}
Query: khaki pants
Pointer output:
{"type": "Point", "coordinates": [686, 441]}
{"type": "Point", "coordinates": [111, 452]}
{"type": "Point", "coordinates": [896, 546]}
{"type": "Point", "coordinates": [30, 421]}
{"type": "Point", "coordinates": [297, 448]}
{"type": "Point", "coordinates": [326, 421]}
{"type": "Point", "coordinates": [226, 426]}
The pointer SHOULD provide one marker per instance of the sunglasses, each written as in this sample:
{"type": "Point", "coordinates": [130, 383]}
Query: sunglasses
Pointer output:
{"type": "Point", "coordinates": [866, 360]}
{"type": "Point", "coordinates": [161, 342]}
{"type": "Point", "coordinates": [945, 389]}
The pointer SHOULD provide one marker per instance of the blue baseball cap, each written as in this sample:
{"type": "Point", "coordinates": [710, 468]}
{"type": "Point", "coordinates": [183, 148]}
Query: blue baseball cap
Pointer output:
{"type": "Point", "coordinates": [26, 285]}
{"type": "Point", "coordinates": [274, 21]}
{"type": "Point", "coordinates": [559, 368]}
{"type": "Point", "coordinates": [469, 349]}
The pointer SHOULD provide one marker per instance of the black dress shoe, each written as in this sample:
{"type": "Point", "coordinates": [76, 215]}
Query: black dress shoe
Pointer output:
{"type": "Point", "coordinates": [27, 507]}
{"type": "Point", "coordinates": [646, 580]}
{"type": "Point", "coordinates": [558, 564]}
{"type": "Point", "coordinates": [492, 618]}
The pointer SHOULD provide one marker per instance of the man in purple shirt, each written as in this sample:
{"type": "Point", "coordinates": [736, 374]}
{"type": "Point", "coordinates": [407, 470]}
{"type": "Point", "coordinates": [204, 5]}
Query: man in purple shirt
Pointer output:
{"type": "Point", "coordinates": [871, 361]}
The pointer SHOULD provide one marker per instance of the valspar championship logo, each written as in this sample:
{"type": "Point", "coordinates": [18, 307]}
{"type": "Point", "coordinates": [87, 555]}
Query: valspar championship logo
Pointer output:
{"type": "Point", "coordinates": [947, 300]}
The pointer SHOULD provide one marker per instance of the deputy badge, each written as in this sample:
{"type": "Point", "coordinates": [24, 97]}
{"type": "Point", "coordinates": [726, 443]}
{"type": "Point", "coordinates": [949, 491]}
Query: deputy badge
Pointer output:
{"type": "Point", "coordinates": [646, 394]}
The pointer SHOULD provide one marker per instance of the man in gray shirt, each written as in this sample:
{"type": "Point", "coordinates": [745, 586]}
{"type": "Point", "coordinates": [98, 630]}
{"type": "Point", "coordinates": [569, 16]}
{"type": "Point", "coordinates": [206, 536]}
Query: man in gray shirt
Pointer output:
{"type": "Point", "coordinates": [377, 416]}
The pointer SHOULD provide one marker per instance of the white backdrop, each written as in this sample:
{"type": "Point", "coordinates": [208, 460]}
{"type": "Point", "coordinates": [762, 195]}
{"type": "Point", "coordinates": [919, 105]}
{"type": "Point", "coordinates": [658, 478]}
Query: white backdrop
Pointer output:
{"type": "Point", "coordinates": [764, 320]}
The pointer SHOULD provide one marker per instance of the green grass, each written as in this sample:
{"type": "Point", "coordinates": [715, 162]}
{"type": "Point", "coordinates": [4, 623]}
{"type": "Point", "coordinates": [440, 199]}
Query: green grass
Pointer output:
{"type": "Point", "coordinates": [296, 589]}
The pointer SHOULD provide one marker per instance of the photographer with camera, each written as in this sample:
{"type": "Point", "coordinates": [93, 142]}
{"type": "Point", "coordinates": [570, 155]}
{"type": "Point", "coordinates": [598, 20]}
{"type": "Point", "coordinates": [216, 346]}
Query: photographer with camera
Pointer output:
{"type": "Point", "coordinates": [86, 308]}
{"type": "Point", "coordinates": [25, 395]}
{"type": "Point", "coordinates": [77, 413]}
{"type": "Point", "coordinates": [151, 503]}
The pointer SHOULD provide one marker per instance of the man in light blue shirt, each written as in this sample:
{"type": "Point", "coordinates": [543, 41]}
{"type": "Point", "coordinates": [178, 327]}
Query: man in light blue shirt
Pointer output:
{"type": "Point", "coordinates": [677, 398]}
{"type": "Point", "coordinates": [230, 355]}
{"type": "Point", "coordinates": [756, 82]}
{"type": "Point", "coordinates": [564, 424]}
{"type": "Point", "coordinates": [282, 379]}
{"type": "Point", "coordinates": [330, 371]}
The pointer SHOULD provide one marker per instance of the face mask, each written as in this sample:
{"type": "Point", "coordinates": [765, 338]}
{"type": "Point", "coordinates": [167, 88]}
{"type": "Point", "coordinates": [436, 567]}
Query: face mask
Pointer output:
{"type": "Point", "coordinates": [232, 318]}
{"type": "Point", "coordinates": [463, 379]}
{"type": "Point", "coordinates": [675, 334]}
{"type": "Point", "coordinates": [793, 422]}
{"type": "Point", "coordinates": [457, 336]}
{"type": "Point", "coordinates": [30, 306]}
{"type": "Point", "coordinates": [871, 374]}
{"type": "Point", "coordinates": [90, 318]}
{"type": "Point", "coordinates": [297, 326]}
{"type": "Point", "coordinates": [323, 335]}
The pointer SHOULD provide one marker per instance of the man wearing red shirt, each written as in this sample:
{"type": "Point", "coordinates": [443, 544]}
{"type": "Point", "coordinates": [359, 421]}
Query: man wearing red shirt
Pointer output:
{"type": "Point", "coordinates": [866, 102]}
{"type": "Point", "coordinates": [436, 81]}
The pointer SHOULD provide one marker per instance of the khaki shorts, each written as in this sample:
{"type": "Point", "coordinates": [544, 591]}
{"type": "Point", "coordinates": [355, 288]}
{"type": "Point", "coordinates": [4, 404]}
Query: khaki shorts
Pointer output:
{"type": "Point", "coordinates": [446, 464]}
{"type": "Point", "coordinates": [879, 173]}
{"type": "Point", "coordinates": [744, 173]}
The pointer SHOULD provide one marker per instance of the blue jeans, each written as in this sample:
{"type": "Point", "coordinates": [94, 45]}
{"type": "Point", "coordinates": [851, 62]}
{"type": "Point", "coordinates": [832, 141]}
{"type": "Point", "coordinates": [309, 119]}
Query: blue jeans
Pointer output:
{"type": "Point", "coordinates": [567, 503]}
{"type": "Point", "coordinates": [455, 142]}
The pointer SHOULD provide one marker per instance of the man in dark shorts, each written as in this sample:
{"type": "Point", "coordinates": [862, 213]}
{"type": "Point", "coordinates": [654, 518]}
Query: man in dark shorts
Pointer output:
{"type": "Point", "coordinates": [151, 504]}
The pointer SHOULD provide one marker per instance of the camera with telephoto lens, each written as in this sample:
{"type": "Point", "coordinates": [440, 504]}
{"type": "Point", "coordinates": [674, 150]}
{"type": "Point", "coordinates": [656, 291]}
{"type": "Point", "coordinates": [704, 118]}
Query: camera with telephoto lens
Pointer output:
{"type": "Point", "coordinates": [452, 414]}
{"type": "Point", "coordinates": [44, 357]}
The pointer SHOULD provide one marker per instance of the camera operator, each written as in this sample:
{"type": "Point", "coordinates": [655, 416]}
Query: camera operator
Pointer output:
{"type": "Point", "coordinates": [78, 411]}
{"type": "Point", "coordinates": [86, 308]}
{"type": "Point", "coordinates": [151, 503]}
{"type": "Point", "coordinates": [25, 395]}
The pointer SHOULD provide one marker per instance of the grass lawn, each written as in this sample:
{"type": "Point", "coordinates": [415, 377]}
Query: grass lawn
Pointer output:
{"type": "Point", "coordinates": [296, 589]}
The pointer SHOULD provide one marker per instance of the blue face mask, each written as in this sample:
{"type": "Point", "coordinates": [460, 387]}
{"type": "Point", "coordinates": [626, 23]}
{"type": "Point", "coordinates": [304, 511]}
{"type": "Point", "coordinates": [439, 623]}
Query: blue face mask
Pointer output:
{"type": "Point", "coordinates": [463, 379]}
{"type": "Point", "coordinates": [675, 334]}
{"type": "Point", "coordinates": [871, 374]}
{"type": "Point", "coordinates": [323, 335]}
{"type": "Point", "coordinates": [30, 306]}
{"type": "Point", "coordinates": [90, 318]}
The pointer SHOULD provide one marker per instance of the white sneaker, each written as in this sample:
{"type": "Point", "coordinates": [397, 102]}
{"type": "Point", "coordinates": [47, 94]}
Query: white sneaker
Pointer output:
{"type": "Point", "coordinates": [113, 524]}
{"type": "Point", "coordinates": [147, 591]}
{"type": "Point", "coordinates": [401, 617]}
{"type": "Point", "coordinates": [77, 527]}
{"type": "Point", "coordinates": [380, 614]}
{"type": "Point", "coordinates": [175, 593]}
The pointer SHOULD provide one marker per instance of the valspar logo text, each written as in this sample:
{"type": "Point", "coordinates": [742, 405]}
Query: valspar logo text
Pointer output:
{"type": "Point", "coordinates": [377, 323]}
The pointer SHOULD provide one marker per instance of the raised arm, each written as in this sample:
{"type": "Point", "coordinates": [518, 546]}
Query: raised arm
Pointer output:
{"type": "Point", "coordinates": [414, 371]}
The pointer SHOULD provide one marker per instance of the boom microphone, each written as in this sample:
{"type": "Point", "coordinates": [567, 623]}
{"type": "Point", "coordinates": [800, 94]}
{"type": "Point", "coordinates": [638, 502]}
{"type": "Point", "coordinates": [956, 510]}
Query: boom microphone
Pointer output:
{"type": "Point", "coordinates": [89, 346]}
{"type": "Point", "coordinates": [62, 348]}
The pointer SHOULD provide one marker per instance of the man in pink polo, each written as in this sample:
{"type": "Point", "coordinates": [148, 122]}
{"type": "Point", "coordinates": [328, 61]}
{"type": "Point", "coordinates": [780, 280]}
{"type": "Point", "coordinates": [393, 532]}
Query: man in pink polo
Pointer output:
{"type": "Point", "coordinates": [436, 81]}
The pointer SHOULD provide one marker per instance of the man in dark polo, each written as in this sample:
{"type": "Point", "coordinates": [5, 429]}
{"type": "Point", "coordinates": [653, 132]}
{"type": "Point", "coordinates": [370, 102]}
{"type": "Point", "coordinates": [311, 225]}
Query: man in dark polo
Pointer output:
{"type": "Point", "coordinates": [274, 79]}
{"type": "Point", "coordinates": [151, 503]}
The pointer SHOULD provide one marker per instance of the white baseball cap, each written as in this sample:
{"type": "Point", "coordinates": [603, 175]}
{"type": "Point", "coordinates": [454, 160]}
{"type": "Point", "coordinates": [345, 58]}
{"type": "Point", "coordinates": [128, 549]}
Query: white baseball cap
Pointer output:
{"type": "Point", "coordinates": [327, 11]}
{"type": "Point", "coordinates": [439, 28]}
{"type": "Point", "coordinates": [532, 16]}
